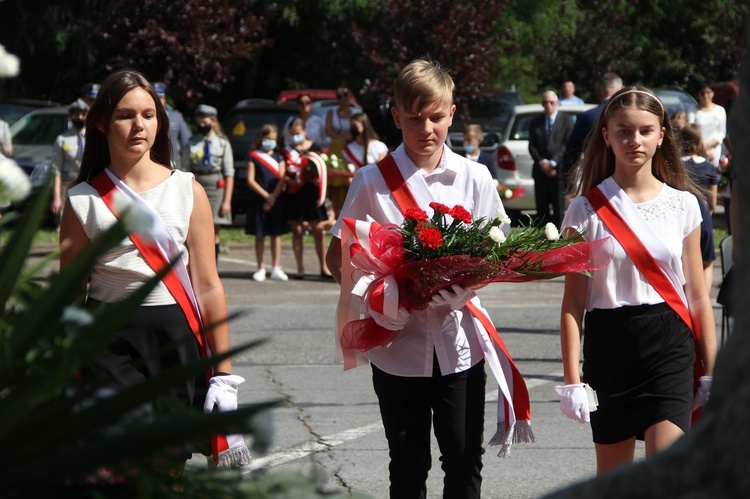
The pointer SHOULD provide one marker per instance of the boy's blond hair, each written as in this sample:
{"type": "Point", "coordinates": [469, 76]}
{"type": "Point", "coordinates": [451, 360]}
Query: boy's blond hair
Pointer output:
{"type": "Point", "coordinates": [422, 83]}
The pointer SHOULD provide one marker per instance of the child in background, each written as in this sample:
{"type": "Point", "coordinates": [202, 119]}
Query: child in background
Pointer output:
{"type": "Point", "coordinates": [266, 171]}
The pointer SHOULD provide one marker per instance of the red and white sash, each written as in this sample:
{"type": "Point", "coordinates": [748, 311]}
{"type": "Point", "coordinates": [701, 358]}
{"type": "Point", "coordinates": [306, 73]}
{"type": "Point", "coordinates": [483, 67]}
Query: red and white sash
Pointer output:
{"type": "Point", "coordinates": [158, 255]}
{"type": "Point", "coordinates": [267, 161]}
{"type": "Point", "coordinates": [350, 157]}
{"type": "Point", "coordinates": [646, 249]}
{"type": "Point", "coordinates": [514, 410]}
{"type": "Point", "coordinates": [291, 155]}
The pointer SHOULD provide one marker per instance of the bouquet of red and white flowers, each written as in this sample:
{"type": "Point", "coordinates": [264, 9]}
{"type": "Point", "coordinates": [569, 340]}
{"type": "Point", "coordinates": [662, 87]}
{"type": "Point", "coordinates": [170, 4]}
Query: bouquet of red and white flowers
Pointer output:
{"type": "Point", "coordinates": [408, 264]}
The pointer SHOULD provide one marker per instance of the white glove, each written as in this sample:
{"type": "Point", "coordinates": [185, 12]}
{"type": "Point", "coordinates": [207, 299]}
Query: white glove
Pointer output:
{"type": "Point", "coordinates": [455, 296]}
{"type": "Point", "coordinates": [396, 324]}
{"type": "Point", "coordinates": [222, 393]}
{"type": "Point", "coordinates": [704, 392]}
{"type": "Point", "coordinates": [577, 401]}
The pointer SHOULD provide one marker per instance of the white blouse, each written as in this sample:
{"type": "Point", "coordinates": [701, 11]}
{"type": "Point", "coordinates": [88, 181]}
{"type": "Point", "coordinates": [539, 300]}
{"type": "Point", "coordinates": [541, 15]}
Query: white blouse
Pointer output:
{"type": "Point", "coordinates": [122, 269]}
{"type": "Point", "coordinates": [713, 125]}
{"type": "Point", "coordinates": [673, 214]}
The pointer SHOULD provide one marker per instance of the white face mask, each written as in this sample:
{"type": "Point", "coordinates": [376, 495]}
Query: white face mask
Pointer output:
{"type": "Point", "coordinates": [268, 144]}
{"type": "Point", "coordinates": [470, 148]}
{"type": "Point", "coordinates": [298, 139]}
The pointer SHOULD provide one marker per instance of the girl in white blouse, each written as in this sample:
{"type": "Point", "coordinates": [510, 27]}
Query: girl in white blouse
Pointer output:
{"type": "Point", "coordinates": [639, 354]}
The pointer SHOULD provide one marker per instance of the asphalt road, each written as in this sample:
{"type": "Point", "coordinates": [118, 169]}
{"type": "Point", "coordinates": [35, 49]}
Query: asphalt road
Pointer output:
{"type": "Point", "coordinates": [329, 420]}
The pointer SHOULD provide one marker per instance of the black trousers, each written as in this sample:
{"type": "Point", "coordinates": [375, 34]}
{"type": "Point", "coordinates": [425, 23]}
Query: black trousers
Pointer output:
{"type": "Point", "coordinates": [408, 406]}
{"type": "Point", "coordinates": [548, 193]}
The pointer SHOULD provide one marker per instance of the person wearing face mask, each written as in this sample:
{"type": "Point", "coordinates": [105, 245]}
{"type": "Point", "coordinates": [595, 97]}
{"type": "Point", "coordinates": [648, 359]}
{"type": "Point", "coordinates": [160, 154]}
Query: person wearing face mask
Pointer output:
{"type": "Point", "coordinates": [266, 171]}
{"type": "Point", "coordinates": [67, 151]}
{"type": "Point", "coordinates": [365, 148]}
{"type": "Point", "coordinates": [209, 157]}
{"type": "Point", "coordinates": [302, 198]}
{"type": "Point", "coordinates": [315, 127]}
{"type": "Point", "coordinates": [473, 136]}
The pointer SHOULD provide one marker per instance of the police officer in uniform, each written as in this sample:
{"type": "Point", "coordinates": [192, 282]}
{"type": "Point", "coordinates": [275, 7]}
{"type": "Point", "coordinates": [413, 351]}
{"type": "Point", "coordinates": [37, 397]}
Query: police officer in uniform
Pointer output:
{"type": "Point", "coordinates": [209, 156]}
{"type": "Point", "coordinates": [67, 151]}
{"type": "Point", "coordinates": [179, 133]}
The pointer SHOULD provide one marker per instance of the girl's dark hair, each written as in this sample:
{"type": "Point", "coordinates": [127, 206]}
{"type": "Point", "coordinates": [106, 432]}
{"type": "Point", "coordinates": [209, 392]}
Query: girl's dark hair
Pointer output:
{"type": "Point", "coordinates": [599, 161]}
{"type": "Point", "coordinates": [96, 153]}
{"type": "Point", "coordinates": [264, 132]}
{"type": "Point", "coordinates": [368, 134]}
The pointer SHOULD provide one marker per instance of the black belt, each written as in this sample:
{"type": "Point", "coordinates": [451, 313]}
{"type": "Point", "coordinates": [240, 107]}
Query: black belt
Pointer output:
{"type": "Point", "coordinates": [206, 173]}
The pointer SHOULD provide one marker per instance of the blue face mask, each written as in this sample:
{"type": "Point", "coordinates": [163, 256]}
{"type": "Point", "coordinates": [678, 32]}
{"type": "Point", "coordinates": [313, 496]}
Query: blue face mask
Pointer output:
{"type": "Point", "coordinates": [298, 139]}
{"type": "Point", "coordinates": [268, 144]}
{"type": "Point", "coordinates": [470, 148]}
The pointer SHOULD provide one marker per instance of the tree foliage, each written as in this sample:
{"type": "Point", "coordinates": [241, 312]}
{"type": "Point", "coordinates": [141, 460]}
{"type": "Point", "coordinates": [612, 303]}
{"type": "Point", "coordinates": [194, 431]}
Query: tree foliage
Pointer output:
{"type": "Point", "coordinates": [191, 44]}
{"type": "Point", "coordinates": [655, 43]}
{"type": "Point", "coordinates": [464, 37]}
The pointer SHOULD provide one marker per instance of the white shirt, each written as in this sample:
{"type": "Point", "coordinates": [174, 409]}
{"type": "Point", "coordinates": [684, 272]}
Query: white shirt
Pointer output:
{"type": "Point", "coordinates": [450, 334]}
{"type": "Point", "coordinates": [375, 150]}
{"type": "Point", "coordinates": [713, 125]}
{"type": "Point", "coordinates": [122, 270]}
{"type": "Point", "coordinates": [673, 214]}
{"type": "Point", "coordinates": [67, 151]}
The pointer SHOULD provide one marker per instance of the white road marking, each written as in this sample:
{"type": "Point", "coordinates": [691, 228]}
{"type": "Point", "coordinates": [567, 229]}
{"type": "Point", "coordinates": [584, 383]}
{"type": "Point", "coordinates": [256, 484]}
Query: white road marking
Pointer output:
{"type": "Point", "coordinates": [308, 448]}
{"type": "Point", "coordinates": [238, 261]}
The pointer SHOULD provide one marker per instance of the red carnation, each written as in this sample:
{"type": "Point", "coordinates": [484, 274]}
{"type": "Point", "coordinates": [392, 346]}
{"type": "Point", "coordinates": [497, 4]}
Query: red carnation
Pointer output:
{"type": "Point", "coordinates": [416, 214]}
{"type": "Point", "coordinates": [440, 207]}
{"type": "Point", "coordinates": [430, 237]}
{"type": "Point", "coordinates": [460, 213]}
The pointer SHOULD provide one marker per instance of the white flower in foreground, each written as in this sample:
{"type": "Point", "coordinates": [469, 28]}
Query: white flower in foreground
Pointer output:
{"type": "Point", "coordinates": [508, 193]}
{"type": "Point", "coordinates": [76, 316]}
{"type": "Point", "coordinates": [351, 167]}
{"type": "Point", "coordinates": [503, 217]}
{"type": "Point", "coordinates": [497, 235]}
{"type": "Point", "coordinates": [551, 232]}
{"type": "Point", "coordinates": [14, 183]}
{"type": "Point", "coordinates": [324, 156]}
{"type": "Point", "coordinates": [135, 218]}
{"type": "Point", "coordinates": [9, 64]}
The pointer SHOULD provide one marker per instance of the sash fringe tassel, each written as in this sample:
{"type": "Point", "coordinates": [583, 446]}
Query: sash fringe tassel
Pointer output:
{"type": "Point", "coordinates": [237, 457]}
{"type": "Point", "coordinates": [519, 433]}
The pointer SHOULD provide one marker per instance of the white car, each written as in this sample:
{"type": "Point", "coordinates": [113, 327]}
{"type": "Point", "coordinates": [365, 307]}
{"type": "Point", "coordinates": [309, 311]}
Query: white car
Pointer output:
{"type": "Point", "coordinates": [514, 162]}
{"type": "Point", "coordinates": [511, 151]}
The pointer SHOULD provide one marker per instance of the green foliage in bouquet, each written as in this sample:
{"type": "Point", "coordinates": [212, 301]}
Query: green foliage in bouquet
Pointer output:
{"type": "Point", "coordinates": [426, 237]}
{"type": "Point", "coordinates": [58, 440]}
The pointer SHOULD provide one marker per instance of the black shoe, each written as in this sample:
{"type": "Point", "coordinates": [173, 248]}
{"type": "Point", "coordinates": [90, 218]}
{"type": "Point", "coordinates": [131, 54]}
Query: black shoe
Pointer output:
{"type": "Point", "coordinates": [326, 277]}
{"type": "Point", "coordinates": [297, 277]}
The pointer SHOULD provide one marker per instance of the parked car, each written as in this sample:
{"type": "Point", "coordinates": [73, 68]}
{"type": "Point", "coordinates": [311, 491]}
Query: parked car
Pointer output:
{"type": "Point", "coordinates": [241, 124]}
{"type": "Point", "coordinates": [12, 110]}
{"type": "Point", "coordinates": [676, 99]}
{"type": "Point", "coordinates": [511, 150]}
{"type": "Point", "coordinates": [491, 113]}
{"type": "Point", "coordinates": [321, 107]}
{"type": "Point", "coordinates": [33, 136]}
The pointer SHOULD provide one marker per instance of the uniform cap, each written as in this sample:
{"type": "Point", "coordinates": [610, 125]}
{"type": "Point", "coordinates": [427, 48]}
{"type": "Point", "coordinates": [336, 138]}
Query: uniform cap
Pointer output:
{"type": "Point", "coordinates": [90, 90]}
{"type": "Point", "coordinates": [206, 110]}
{"type": "Point", "coordinates": [161, 88]}
{"type": "Point", "coordinates": [78, 105]}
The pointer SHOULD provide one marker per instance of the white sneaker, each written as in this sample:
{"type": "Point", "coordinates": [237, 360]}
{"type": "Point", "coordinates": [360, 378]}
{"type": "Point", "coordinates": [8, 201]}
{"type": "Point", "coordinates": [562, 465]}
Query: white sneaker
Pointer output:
{"type": "Point", "coordinates": [278, 275]}
{"type": "Point", "coordinates": [259, 275]}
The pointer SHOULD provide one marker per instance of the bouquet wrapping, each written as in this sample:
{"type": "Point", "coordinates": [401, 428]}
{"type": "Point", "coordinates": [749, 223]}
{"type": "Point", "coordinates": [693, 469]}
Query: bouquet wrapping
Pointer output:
{"type": "Point", "coordinates": [406, 265]}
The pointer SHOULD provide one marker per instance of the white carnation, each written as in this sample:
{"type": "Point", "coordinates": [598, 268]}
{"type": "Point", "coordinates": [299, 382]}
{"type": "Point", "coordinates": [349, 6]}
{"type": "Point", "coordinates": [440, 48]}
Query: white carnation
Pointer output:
{"type": "Point", "coordinates": [14, 183]}
{"type": "Point", "coordinates": [508, 193]}
{"type": "Point", "coordinates": [503, 217]}
{"type": "Point", "coordinates": [324, 156]}
{"type": "Point", "coordinates": [351, 167]}
{"type": "Point", "coordinates": [551, 232]}
{"type": "Point", "coordinates": [9, 64]}
{"type": "Point", "coordinates": [497, 235]}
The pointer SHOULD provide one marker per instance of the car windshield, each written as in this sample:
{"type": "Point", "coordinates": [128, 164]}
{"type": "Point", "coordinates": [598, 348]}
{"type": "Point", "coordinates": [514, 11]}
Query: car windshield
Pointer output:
{"type": "Point", "coordinates": [38, 129]}
{"type": "Point", "coordinates": [522, 123]}
{"type": "Point", "coordinates": [10, 113]}
{"type": "Point", "coordinates": [491, 110]}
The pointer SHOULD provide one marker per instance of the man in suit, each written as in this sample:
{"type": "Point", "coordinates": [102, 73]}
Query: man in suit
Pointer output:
{"type": "Point", "coordinates": [606, 87]}
{"type": "Point", "coordinates": [548, 135]}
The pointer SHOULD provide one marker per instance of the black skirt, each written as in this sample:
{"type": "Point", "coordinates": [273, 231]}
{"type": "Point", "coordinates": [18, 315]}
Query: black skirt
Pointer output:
{"type": "Point", "coordinates": [640, 360]}
{"type": "Point", "coordinates": [155, 339]}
